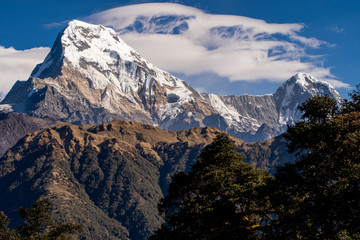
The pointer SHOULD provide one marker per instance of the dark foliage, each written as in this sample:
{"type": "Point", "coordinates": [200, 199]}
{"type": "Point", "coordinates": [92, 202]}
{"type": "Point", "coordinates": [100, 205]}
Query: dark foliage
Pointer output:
{"type": "Point", "coordinates": [216, 199]}
{"type": "Point", "coordinates": [353, 104]}
{"type": "Point", "coordinates": [5, 232]}
{"type": "Point", "coordinates": [318, 109]}
{"type": "Point", "coordinates": [38, 224]}
{"type": "Point", "coordinates": [318, 196]}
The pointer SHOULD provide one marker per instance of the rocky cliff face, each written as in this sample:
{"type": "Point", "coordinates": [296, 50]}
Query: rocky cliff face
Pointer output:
{"type": "Point", "coordinates": [91, 76]}
{"type": "Point", "coordinates": [108, 177]}
{"type": "Point", "coordinates": [256, 118]}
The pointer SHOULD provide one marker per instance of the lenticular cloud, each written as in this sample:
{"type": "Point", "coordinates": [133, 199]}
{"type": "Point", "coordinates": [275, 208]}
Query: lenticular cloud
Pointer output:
{"type": "Point", "coordinates": [187, 40]}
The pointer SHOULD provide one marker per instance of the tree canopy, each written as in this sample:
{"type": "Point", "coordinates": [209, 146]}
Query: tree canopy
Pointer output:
{"type": "Point", "coordinates": [215, 199]}
{"type": "Point", "coordinates": [317, 197]}
{"type": "Point", "coordinates": [38, 224]}
{"type": "Point", "coordinates": [5, 232]}
{"type": "Point", "coordinates": [352, 104]}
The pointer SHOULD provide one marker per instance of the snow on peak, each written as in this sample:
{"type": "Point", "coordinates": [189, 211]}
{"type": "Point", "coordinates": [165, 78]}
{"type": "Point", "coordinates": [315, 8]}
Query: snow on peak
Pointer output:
{"type": "Point", "coordinates": [81, 43]}
{"type": "Point", "coordinates": [307, 83]}
{"type": "Point", "coordinates": [295, 91]}
{"type": "Point", "coordinates": [94, 44]}
{"type": "Point", "coordinates": [111, 66]}
{"type": "Point", "coordinates": [303, 83]}
{"type": "Point", "coordinates": [306, 80]}
{"type": "Point", "coordinates": [303, 79]}
{"type": "Point", "coordinates": [104, 58]}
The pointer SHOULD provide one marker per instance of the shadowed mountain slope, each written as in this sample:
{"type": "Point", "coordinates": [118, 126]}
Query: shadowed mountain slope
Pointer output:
{"type": "Point", "coordinates": [15, 126]}
{"type": "Point", "coordinates": [107, 177]}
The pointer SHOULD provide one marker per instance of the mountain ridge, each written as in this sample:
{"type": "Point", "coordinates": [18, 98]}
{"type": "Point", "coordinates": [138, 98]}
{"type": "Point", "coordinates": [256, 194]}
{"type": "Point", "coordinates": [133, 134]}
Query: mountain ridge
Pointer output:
{"type": "Point", "coordinates": [109, 177]}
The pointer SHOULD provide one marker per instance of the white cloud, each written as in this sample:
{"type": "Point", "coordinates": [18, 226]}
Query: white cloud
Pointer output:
{"type": "Point", "coordinates": [55, 24]}
{"type": "Point", "coordinates": [17, 65]}
{"type": "Point", "coordinates": [337, 29]}
{"type": "Point", "coordinates": [189, 41]}
{"type": "Point", "coordinates": [186, 40]}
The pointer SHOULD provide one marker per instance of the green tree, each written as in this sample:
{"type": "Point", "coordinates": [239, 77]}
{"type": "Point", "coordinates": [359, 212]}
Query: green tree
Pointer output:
{"type": "Point", "coordinates": [39, 224]}
{"type": "Point", "coordinates": [353, 104]}
{"type": "Point", "coordinates": [5, 232]}
{"type": "Point", "coordinates": [318, 109]}
{"type": "Point", "coordinates": [216, 199]}
{"type": "Point", "coordinates": [317, 197]}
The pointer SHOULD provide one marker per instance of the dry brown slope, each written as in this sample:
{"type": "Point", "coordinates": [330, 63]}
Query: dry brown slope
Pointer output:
{"type": "Point", "coordinates": [108, 177]}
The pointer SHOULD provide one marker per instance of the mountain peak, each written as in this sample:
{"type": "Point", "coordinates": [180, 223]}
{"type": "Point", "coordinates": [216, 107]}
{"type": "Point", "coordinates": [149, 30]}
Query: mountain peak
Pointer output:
{"type": "Point", "coordinates": [307, 82]}
{"type": "Point", "coordinates": [75, 22]}
{"type": "Point", "coordinates": [296, 90]}
{"type": "Point", "coordinates": [100, 56]}
{"type": "Point", "coordinates": [84, 37]}
{"type": "Point", "coordinates": [95, 70]}
{"type": "Point", "coordinates": [81, 43]}
{"type": "Point", "coordinates": [304, 79]}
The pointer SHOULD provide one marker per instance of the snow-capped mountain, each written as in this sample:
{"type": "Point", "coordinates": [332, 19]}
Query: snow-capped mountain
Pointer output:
{"type": "Point", "coordinates": [92, 76]}
{"type": "Point", "coordinates": [263, 117]}
{"type": "Point", "coordinates": [295, 91]}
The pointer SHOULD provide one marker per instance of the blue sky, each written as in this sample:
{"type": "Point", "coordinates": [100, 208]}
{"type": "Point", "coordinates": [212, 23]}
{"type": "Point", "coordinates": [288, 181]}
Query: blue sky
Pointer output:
{"type": "Point", "coordinates": [320, 36]}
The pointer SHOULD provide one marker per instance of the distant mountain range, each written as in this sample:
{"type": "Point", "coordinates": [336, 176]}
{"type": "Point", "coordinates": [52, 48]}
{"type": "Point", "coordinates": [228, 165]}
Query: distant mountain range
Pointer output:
{"type": "Point", "coordinates": [91, 76]}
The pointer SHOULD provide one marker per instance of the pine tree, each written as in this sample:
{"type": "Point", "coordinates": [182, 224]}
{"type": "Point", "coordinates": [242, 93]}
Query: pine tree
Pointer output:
{"type": "Point", "coordinates": [352, 105]}
{"type": "Point", "coordinates": [318, 109]}
{"type": "Point", "coordinates": [317, 197]}
{"type": "Point", "coordinates": [5, 232]}
{"type": "Point", "coordinates": [216, 199]}
{"type": "Point", "coordinates": [39, 225]}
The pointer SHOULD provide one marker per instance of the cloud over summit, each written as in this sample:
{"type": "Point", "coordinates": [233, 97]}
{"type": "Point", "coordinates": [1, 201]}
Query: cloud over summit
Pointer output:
{"type": "Point", "coordinates": [191, 42]}
{"type": "Point", "coordinates": [187, 40]}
